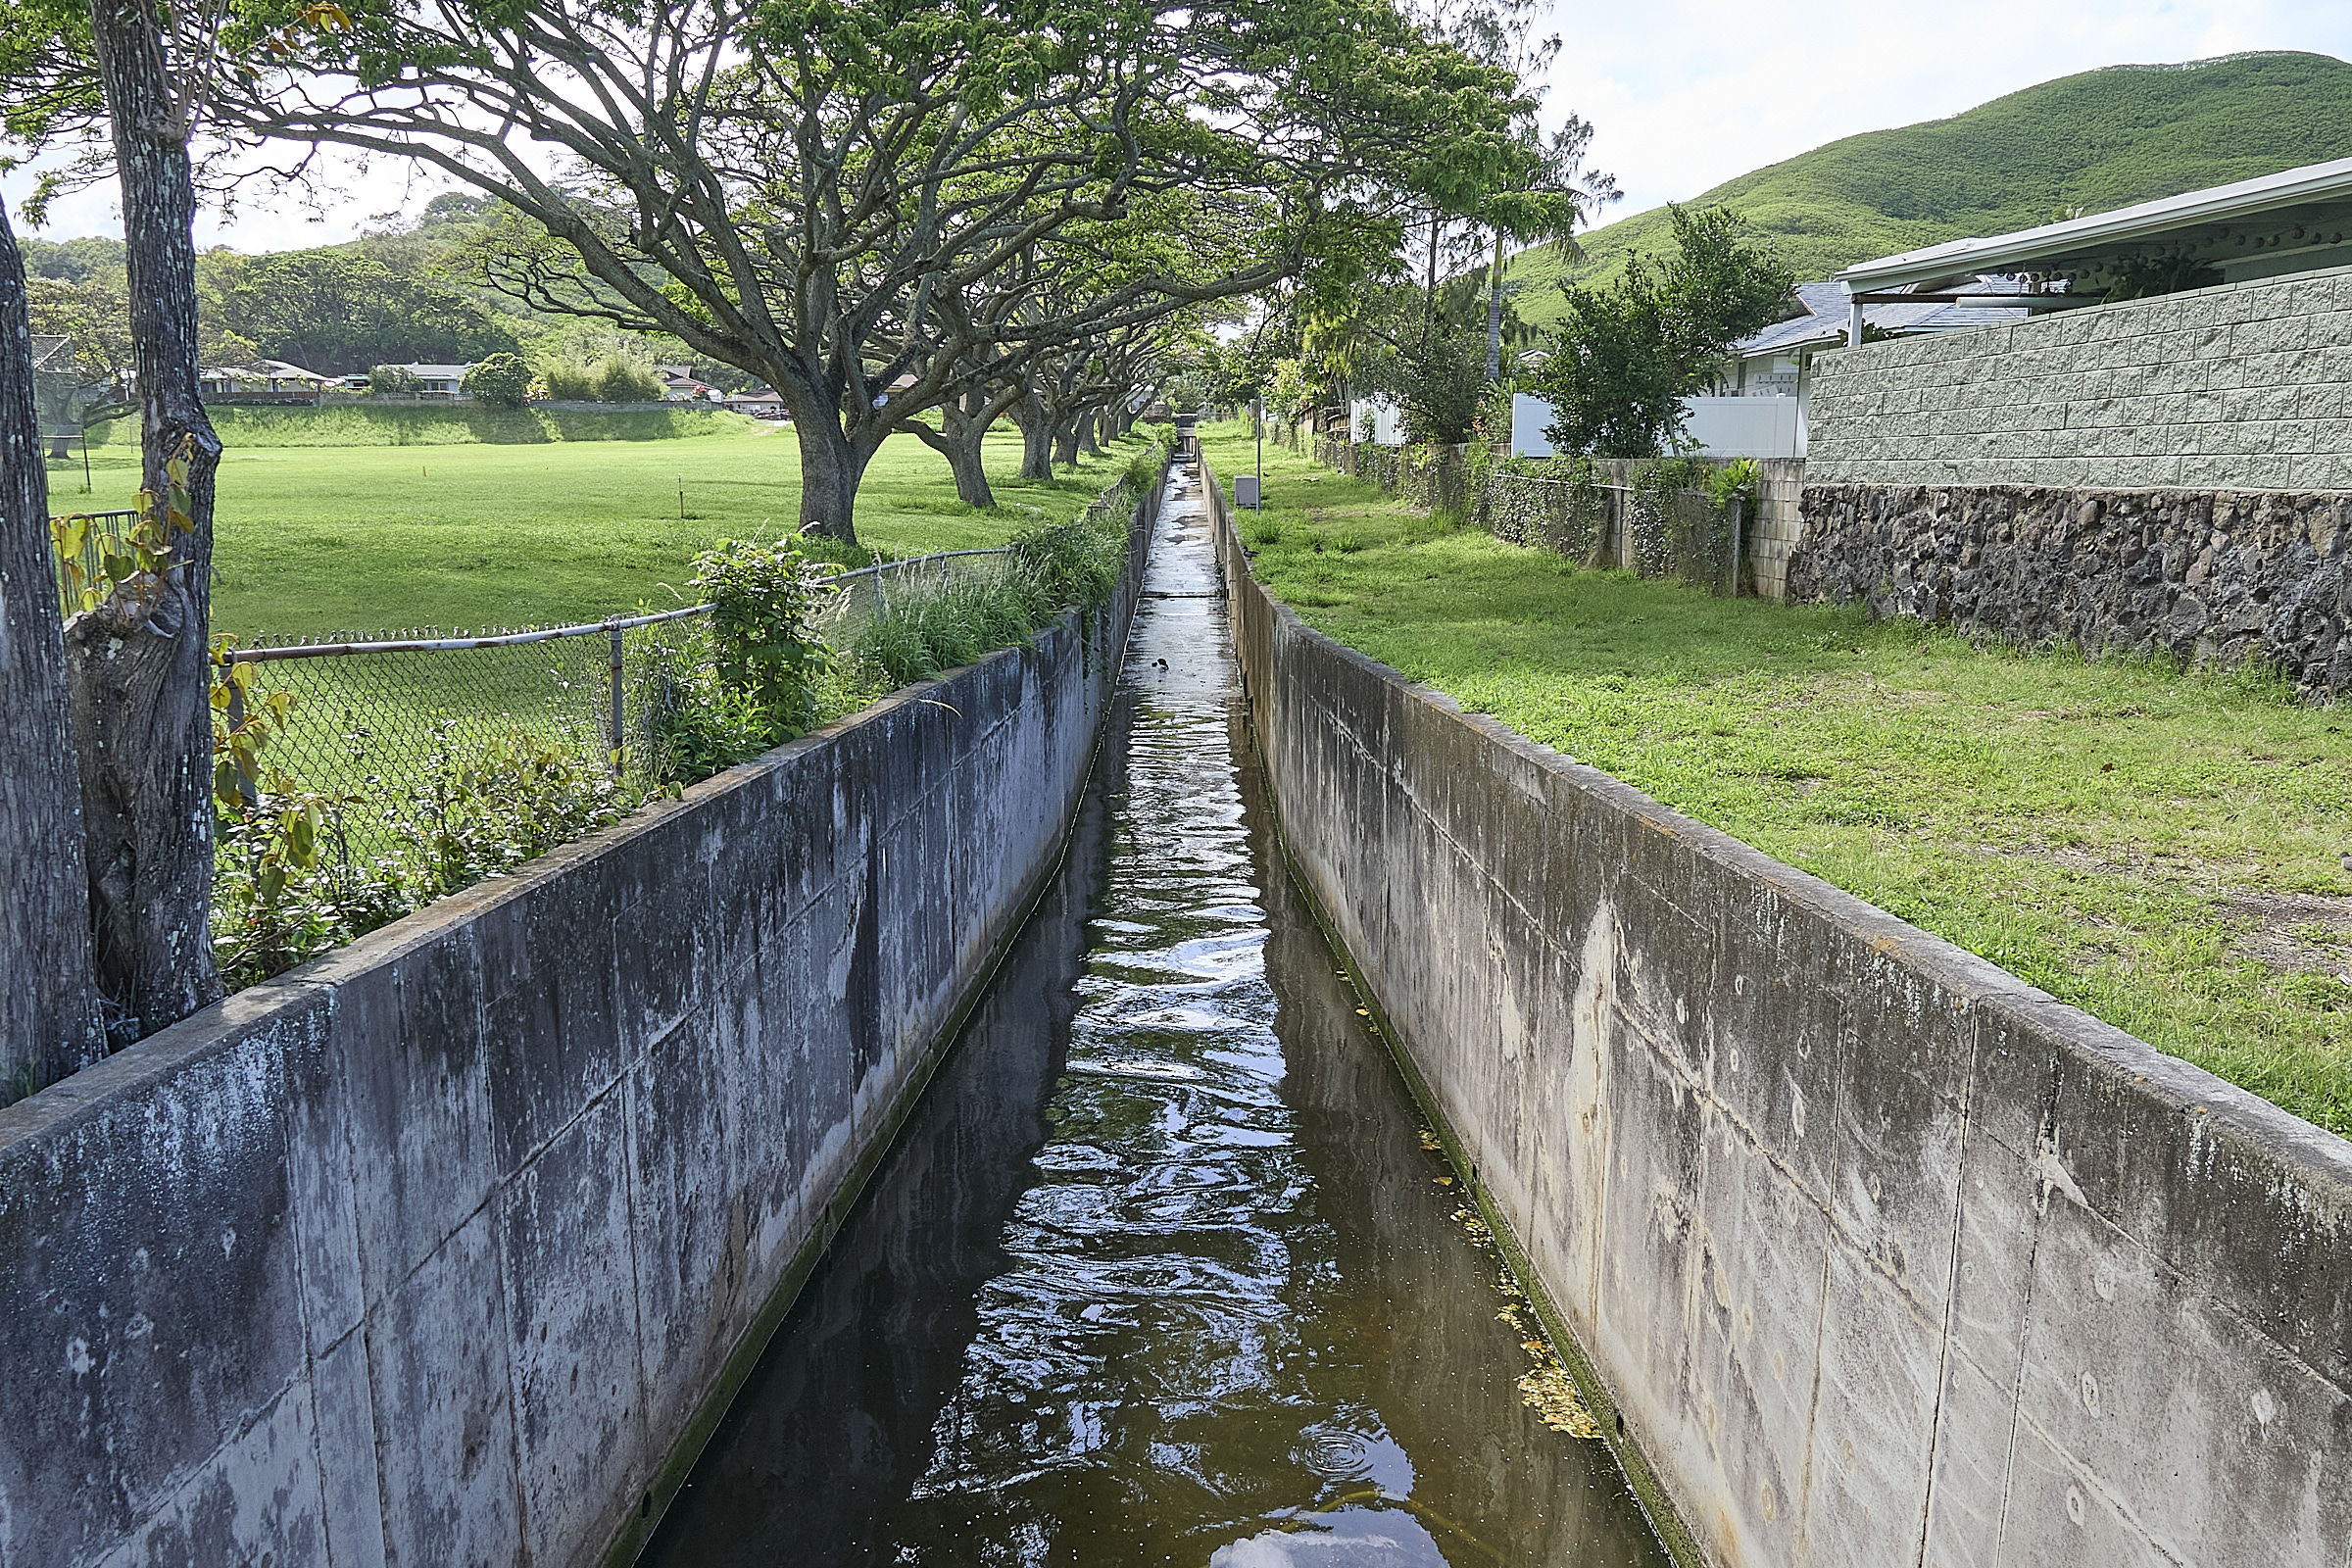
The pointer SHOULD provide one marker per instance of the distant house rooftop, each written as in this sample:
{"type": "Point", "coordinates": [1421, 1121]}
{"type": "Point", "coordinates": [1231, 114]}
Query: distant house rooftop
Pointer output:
{"type": "Point", "coordinates": [2297, 220]}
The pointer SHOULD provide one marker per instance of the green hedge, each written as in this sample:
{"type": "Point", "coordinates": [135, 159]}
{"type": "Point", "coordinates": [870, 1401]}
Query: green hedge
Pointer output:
{"type": "Point", "coordinates": [413, 424]}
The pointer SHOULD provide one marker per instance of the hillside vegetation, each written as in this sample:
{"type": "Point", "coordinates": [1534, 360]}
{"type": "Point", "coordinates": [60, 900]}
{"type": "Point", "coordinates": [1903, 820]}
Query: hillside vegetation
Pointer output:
{"type": "Point", "coordinates": [2097, 141]}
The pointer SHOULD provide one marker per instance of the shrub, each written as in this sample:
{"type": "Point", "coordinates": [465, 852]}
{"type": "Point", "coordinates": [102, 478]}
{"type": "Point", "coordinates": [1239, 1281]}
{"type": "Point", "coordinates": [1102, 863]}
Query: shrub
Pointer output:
{"type": "Point", "coordinates": [570, 381]}
{"type": "Point", "coordinates": [764, 597]}
{"type": "Point", "coordinates": [695, 723]}
{"type": "Point", "coordinates": [392, 381]}
{"type": "Point", "coordinates": [500, 382]}
{"type": "Point", "coordinates": [614, 378]}
{"type": "Point", "coordinates": [620, 379]}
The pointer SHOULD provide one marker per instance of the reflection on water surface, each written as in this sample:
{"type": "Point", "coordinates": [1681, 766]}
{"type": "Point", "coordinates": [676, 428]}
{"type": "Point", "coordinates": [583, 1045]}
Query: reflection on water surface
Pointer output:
{"type": "Point", "coordinates": [1161, 1270]}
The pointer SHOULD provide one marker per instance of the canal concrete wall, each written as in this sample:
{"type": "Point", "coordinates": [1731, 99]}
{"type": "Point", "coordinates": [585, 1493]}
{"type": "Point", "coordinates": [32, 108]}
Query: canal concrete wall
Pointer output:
{"type": "Point", "coordinates": [1878, 1254]}
{"type": "Point", "coordinates": [448, 1248]}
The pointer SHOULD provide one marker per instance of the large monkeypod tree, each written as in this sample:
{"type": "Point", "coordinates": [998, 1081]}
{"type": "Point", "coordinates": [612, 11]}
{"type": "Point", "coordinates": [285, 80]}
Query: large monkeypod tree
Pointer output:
{"type": "Point", "coordinates": [794, 187]}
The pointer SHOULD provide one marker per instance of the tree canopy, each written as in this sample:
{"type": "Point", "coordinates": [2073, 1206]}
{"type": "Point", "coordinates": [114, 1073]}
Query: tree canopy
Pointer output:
{"type": "Point", "coordinates": [813, 192]}
{"type": "Point", "coordinates": [1627, 355]}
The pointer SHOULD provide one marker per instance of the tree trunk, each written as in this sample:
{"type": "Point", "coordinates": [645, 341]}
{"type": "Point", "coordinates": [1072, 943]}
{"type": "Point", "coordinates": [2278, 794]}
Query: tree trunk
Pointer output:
{"type": "Point", "coordinates": [142, 716]}
{"type": "Point", "coordinates": [49, 1020]}
{"type": "Point", "coordinates": [1066, 442]}
{"type": "Point", "coordinates": [830, 469]}
{"type": "Point", "coordinates": [1037, 437]}
{"type": "Point", "coordinates": [1429, 296]}
{"type": "Point", "coordinates": [958, 441]}
{"type": "Point", "coordinates": [1086, 435]}
{"type": "Point", "coordinates": [1494, 313]}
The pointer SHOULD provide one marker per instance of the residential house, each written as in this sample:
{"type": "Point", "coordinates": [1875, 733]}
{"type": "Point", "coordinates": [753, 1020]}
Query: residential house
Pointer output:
{"type": "Point", "coordinates": [437, 381]}
{"type": "Point", "coordinates": [273, 380]}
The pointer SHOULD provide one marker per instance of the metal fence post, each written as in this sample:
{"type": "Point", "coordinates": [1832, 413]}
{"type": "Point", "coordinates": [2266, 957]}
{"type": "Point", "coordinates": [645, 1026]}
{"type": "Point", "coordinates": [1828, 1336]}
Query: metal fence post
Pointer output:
{"type": "Point", "coordinates": [620, 637]}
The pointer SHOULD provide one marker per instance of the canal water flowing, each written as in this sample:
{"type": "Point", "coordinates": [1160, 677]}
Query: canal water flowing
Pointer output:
{"type": "Point", "coordinates": [1163, 1269]}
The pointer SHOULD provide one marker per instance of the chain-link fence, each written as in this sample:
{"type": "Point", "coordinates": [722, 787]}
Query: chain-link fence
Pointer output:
{"type": "Point", "coordinates": [1682, 534]}
{"type": "Point", "coordinates": [380, 720]}
{"type": "Point", "coordinates": [871, 591]}
{"type": "Point", "coordinates": [84, 540]}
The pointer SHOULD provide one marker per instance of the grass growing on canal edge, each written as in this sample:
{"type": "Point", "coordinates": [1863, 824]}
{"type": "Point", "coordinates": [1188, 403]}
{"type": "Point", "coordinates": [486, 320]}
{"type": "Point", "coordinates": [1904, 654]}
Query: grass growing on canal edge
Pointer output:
{"type": "Point", "coordinates": [2159, 849]}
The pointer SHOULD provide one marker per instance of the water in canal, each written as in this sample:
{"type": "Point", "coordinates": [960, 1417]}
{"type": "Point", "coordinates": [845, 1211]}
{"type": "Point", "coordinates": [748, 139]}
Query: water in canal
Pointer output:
{"type": "Point", "coordinates": [1162, 1270]}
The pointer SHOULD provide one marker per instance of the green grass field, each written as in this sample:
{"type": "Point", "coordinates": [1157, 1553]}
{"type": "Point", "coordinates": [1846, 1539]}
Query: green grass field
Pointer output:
{"type": "Point", "coordinates": [370, 538]}
{"type": "Point", "coordinates": [2159, 849]}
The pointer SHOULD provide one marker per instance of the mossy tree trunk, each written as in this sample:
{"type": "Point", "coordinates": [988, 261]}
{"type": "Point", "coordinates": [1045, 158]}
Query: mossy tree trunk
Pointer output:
{"type": "Point", "coordinates": [141, 687]}
{"type": "Point", "coordinates": [49, 1017]}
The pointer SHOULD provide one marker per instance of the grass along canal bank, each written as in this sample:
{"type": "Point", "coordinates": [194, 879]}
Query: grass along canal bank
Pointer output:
{"type": "Point", "coordinates": [2157, 849]}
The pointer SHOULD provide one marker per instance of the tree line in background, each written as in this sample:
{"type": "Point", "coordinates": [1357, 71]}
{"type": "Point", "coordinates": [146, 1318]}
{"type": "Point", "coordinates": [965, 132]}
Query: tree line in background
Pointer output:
{"type": "Point", "coordinates": [896, 215]}
{"type": "Point", "coordinates": [392, 297]}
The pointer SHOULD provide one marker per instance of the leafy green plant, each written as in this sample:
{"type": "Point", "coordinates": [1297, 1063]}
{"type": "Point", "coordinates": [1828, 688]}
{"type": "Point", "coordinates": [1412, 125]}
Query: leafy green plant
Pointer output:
{"type": "Point", "coordinates": [1627, 355]}
{"type": "Point", "coordinates": [497, 804]}
{"type": "Point", "coordinates": [500, 382]}
{"type": "Point", "coordinates": [695, 723]}
{"type": "Point", "coordinates": [614, 378]}
{"type": "Point", "coordinates": [94, 565]}
{"type": "Point", "coordinates": [1051, 569]}
{"type": "Point", "coordinates": [763, 599]}
{"type": "Point", "coordinates": [1735, 480]}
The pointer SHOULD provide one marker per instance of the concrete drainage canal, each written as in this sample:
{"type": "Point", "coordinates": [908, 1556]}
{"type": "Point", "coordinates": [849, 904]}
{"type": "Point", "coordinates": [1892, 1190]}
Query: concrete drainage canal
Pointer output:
{"type": "Point", "coordinates": [1165, 1268]}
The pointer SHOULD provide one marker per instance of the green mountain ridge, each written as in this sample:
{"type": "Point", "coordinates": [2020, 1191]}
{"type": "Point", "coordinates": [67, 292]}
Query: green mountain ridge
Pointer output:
{"type": "Point", "coordinates": [2094, 141]}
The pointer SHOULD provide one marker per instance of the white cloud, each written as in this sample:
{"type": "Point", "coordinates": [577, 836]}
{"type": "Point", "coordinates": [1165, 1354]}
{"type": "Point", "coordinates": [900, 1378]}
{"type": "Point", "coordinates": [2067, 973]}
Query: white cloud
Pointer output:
{"type": "Point", "coordinates": [1684, 94]}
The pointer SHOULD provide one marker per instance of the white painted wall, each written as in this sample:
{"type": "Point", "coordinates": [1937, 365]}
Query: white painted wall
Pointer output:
{"type": "Point", "coordinates": [1387, 420]}
{"type": "Point", "coordinates": [1529, 416]}
{"type": "Point", "coordinates": [1745, 427]}
{"type": "Point", "coordinates": [1723, 427]}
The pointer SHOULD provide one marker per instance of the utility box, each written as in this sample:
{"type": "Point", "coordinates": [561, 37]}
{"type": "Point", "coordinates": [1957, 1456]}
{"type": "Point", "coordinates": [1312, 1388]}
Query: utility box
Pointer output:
{"type": "Point", "coordinates": [1244, 490]}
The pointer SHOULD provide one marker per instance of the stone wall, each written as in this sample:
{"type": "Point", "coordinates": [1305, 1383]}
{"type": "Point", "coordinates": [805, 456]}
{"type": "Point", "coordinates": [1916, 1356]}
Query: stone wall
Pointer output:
{"type": "Point", "coordinates": [1879, 1256]}
{"type": "Point", "coordinates": [2207, 576]}
{"type": "Point", "coordinates": [448, 1248]}
{"type": "Point", "coordinates": [2247, 386]}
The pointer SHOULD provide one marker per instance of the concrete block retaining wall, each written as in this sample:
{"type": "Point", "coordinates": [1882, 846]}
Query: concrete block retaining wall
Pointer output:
{"type": "Point", "coordinates": [2247, 386]}
{"type": "Point", "coordinates": [448, 1248]}
{"type": "Point", "coordinates": [1881, 1255]}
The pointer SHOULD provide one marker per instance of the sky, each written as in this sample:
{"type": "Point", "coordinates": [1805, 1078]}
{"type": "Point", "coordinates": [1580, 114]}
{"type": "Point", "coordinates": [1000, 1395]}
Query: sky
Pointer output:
{"type": "Point", "coordinates": [1683, 94]}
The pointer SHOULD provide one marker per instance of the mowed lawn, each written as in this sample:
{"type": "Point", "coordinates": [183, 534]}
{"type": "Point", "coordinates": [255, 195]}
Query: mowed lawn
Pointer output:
{"type": "Point", "coordinates": [374, 538]}
{"type": "Point", "coordinates": [2159, 849]}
